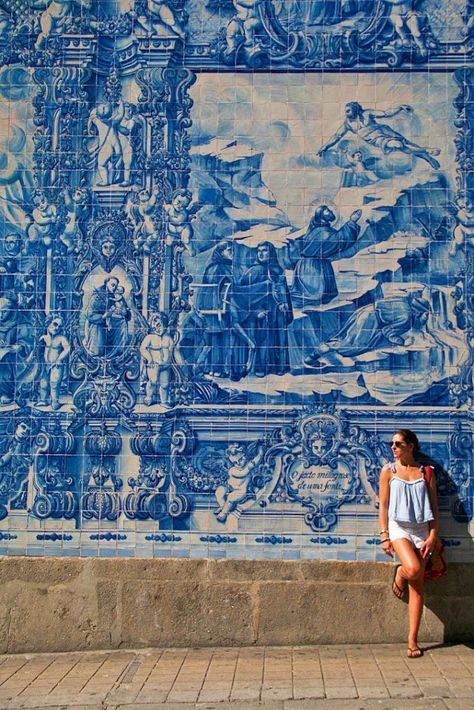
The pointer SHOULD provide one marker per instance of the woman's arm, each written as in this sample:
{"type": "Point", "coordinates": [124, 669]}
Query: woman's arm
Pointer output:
{"type": "Point", "coordinates": [384, 498]}
{"type": "Point", "coordinates": [429, 544]}
{"type": "Point", "coordinates": [433, 496]}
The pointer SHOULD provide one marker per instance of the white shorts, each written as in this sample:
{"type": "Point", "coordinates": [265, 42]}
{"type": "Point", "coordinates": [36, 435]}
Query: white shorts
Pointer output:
{"type": "Point", "coordinates": [416, 533]}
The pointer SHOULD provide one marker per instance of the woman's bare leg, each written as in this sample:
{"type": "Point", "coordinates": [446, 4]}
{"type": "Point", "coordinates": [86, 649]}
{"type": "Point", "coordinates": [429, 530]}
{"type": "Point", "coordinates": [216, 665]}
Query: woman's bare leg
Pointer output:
{"type": "Point", "coordinates": [416, 589]}
{"type": "Point", "coordinates": [411, 573]}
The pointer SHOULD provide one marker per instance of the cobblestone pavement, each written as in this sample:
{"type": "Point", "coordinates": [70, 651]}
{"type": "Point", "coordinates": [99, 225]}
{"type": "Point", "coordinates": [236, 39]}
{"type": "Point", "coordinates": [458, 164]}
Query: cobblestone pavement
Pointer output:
{"type": "Point", "coordinates": [302, 678]}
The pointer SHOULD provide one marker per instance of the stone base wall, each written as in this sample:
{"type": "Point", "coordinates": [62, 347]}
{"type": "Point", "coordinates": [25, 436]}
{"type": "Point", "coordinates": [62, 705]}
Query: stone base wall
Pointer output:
{"type": "Point", "coordinates": [53, 604]}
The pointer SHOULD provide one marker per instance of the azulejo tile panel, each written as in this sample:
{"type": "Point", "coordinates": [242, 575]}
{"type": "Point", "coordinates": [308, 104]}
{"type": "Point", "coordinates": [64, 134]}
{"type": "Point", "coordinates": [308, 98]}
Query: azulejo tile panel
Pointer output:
{"type": "Point", "coordinates": [236, 254]}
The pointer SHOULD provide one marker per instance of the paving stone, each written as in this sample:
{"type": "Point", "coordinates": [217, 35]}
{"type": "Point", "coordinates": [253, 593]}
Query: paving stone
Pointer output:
{"type": "Point", "coordinates": [248, 677]}
{"type": "Point", "coordinates": [363, 705]}
{"type": "Point", "coordinates": [460, 703]}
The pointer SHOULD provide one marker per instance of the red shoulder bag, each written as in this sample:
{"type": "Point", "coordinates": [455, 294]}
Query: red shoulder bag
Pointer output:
{"type": "Point", "coordinates": [436, 566]}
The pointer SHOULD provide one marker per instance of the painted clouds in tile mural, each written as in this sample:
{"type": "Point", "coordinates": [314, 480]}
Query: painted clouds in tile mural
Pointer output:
{"type": "Point", "coordinates": [236, 254]}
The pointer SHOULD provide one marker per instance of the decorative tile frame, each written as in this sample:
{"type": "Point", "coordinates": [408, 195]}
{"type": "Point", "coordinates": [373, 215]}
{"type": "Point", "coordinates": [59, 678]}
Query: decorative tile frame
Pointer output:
{"type": "Point", "coordinates": [139, 423]}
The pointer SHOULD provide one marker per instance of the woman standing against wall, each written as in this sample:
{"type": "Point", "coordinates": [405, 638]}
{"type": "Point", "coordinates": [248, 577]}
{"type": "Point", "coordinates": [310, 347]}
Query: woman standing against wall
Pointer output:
{"type": "Point", "coordinates": [408, 518]}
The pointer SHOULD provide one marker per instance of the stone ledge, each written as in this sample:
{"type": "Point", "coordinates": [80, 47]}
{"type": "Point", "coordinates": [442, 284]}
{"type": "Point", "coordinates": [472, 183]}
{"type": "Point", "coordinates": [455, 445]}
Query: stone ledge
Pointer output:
{"type": "Point", "coordinates": [55, 604]}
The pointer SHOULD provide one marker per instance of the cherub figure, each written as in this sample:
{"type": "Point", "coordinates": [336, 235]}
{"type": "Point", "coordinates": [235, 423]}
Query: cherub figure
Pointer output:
{"type": "Point", "coordinates": [43, 227]}
{"type": "Point", "coordinates": [55, 17]}
{"type": "Point", "coordinates": [141, 209]}
{"type": "Point", "coordinates": [179, 214]}
{"type": "Point", "coordinates": [358, 174]}
{"type": "Point", "coordinates": [56, 350]}
{"type": "Point", "coordinates": [77, 211]}
{"type": "Point", "coordinates": [241, 30]}
{"type": "Point", "coordinates": [159, 17]}
{"type": "Point", "coordinates": [156, 350]}
{"type": "Point", "coordinates": [411, 25]}
{"type": "Point", "coordinates": [236, 490]}
{"type": "Point", "coordinates": [464, 231]}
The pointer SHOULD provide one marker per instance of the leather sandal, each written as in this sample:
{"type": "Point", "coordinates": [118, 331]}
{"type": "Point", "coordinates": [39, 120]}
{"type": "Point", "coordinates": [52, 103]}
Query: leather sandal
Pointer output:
{"type": "Point", "coordinates": [399, 592]}
{"type": "Point", "coordinates": [416, 652]}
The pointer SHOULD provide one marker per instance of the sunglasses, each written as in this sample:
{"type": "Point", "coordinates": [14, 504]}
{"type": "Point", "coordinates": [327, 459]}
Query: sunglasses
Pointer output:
{"type": "Point", "coordinates": [397, 444]}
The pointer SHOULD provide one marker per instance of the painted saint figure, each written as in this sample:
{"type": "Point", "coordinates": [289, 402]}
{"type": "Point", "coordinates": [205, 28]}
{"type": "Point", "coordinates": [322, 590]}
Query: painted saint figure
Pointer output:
{"type": "Point", "coordinates": [107, 317]}
{"type": "Point", "coordinates": [261, 307]}
{"type": "Point", "coordinates": [314, 282]}
{"type": "Point", "coordinates": [212, 306]}
{"type": "Point", "coordinates": [117, 322]}
{"type": "Point", "coordinates": [156, 350]}
{"type": "Point", "coordinates": [236, 489]}
{"type": "Point", "coordinates": [105, 119]}
{"type": "Point", "coordinates": [126, 129]}
{"type": "Point", "coordinates": [363, 124]}
{"type": "Point", "coordinates": [56, 350]}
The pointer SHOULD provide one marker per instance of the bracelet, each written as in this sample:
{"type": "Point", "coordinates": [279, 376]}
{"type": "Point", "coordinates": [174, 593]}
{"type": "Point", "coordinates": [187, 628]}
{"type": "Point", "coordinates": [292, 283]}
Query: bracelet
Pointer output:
{"type": "Point", "coordinates": [381, 532]}
{"type": "Point", "coordinates": [387, 539]}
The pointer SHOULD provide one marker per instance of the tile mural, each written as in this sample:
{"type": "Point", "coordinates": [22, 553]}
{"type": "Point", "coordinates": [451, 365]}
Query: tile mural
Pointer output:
{"type": "Point", "coordinates": [236, 253]}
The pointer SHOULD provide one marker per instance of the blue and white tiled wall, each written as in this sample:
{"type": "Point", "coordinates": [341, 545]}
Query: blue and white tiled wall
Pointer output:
{"type": "Point", "coordinates": [237, 246]}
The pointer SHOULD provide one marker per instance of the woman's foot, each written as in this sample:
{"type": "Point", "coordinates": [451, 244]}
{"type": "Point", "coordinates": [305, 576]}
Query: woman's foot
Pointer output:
{"type": "Point", "coordinates": [399, 584]}
{"type": "Point", "coordinates": [414, 652]}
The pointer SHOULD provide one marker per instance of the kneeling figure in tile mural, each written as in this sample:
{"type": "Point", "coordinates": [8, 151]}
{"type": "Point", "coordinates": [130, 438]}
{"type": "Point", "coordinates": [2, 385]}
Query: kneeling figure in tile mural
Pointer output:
{"type": "Point", "coordinates": [314, 281]}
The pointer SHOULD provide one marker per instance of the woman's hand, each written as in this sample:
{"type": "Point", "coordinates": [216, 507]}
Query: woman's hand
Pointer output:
{"type": "Point", "coordinates": [428, 547]}
{"type": "Point", "coordinates": [387, 547]}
